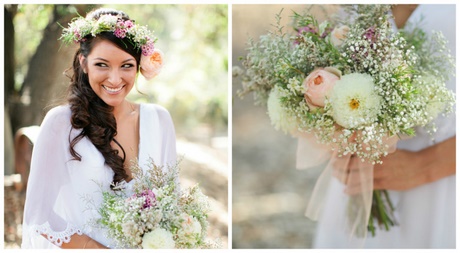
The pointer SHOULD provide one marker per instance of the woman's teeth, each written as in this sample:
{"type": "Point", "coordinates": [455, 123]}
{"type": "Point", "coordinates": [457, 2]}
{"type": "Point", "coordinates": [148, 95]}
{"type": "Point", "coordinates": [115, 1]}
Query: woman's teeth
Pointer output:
{"type": "Point", "coordinates": [112, 89]}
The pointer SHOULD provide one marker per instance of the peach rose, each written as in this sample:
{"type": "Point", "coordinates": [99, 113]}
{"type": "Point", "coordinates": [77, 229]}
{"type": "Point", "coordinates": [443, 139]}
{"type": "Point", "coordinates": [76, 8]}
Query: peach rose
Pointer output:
{"type": "Point", "coordinates": [151, 65]}
{"type": "Point", "coordinates": [339, 34]}
{"type": "Point", "coordinates": [319, 84]}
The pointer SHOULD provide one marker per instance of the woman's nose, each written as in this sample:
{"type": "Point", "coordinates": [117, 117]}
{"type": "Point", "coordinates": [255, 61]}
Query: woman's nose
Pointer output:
{"type": "Point", "coordinates": [114, 77]}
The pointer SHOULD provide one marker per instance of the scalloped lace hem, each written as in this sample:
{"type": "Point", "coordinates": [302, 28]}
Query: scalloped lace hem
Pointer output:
{"type": "Point", "coordinates": [57, 238]}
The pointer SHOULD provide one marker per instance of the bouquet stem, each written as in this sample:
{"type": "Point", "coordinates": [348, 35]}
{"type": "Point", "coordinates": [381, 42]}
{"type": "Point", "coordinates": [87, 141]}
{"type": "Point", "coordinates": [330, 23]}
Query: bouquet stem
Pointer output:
{"type": "Point", "coordinates": [382, 211]}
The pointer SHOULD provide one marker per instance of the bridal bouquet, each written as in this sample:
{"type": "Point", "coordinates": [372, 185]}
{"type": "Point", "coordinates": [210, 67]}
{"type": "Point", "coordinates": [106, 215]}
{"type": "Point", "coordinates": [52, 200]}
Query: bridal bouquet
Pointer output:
{"type": "Point", "coordinates": [157, 214]}
{"type": "Point", "coordinates": [353, 84]}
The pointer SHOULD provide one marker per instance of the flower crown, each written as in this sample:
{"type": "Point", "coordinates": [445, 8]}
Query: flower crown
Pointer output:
{"type": "Point", "coordinates": [140, 37]}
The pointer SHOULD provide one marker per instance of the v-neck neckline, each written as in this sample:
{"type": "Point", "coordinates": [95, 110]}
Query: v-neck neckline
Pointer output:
{"type": "Point", "coordinates": [139, 146]}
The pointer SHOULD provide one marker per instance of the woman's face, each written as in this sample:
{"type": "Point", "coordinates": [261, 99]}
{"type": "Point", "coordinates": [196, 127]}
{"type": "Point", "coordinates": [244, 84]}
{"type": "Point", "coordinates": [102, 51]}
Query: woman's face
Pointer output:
{"type": "Point", "coordinates": [111, 72]}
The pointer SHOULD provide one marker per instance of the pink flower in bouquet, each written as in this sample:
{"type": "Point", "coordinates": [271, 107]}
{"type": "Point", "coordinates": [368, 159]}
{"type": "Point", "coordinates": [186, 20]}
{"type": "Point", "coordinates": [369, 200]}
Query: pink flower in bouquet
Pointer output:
{"type": "Point", "coordinates": [307, 29]}
{"type": "Point", "coordinates": [339, 34]}
{"type": "Point", "coordinates": [370, 34]}
{"type": "Point", "coordinates": [150, 198]}
{"type": "Point", "coordinates": [319, 84]}
{"type": "Point", "coordinates": [151, 65]}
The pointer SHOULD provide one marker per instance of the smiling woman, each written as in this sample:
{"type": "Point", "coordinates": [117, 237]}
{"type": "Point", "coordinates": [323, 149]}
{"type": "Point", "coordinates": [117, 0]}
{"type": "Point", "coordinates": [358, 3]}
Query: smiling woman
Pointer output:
{"type": "Point", "coordinates": [88, 145]}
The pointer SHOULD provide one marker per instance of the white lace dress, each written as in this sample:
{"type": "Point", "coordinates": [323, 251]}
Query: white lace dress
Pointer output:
{"type": "Point", "coordinates": [59, 187]}
{"type": "Point", "coordinates": [426, 214]}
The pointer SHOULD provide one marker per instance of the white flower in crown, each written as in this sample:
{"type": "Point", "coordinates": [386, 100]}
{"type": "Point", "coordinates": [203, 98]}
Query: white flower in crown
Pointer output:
{"type": "Point", "coordinates": [105, 22]}
{"type": "Point", "coordinates": [80, 28]}
{"type": "Point", "coordinates": [151, 64]}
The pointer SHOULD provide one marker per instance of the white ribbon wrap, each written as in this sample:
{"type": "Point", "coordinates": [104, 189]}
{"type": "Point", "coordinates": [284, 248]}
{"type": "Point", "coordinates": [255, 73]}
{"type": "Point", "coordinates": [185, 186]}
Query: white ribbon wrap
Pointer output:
{"type": "Point", "coordinates": [354, 205]}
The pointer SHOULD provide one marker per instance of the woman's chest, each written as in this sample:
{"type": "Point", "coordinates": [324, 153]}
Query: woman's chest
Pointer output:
{"type": "Point", "coordinates": [90, 173]}
{"type": "Point", "coordinates": [127, 141]}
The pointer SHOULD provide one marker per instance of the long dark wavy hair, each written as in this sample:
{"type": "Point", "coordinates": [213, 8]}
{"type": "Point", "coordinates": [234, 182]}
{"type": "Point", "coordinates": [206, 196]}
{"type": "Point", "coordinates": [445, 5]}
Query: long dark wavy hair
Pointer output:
{"type": "Point", "coordinates": [88, 111]}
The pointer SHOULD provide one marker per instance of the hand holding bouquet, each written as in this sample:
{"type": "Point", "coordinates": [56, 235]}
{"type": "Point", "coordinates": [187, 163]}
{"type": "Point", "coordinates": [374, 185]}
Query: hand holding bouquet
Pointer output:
{"type": "Point", "coordinates": [354, 85]}
{"type": "Point", "coordinates": [158, 214]}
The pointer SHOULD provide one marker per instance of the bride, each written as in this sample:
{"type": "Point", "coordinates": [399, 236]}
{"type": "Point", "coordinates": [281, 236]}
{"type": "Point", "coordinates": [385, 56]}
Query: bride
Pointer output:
{"type": "Point", "coordinates": [93, 139]}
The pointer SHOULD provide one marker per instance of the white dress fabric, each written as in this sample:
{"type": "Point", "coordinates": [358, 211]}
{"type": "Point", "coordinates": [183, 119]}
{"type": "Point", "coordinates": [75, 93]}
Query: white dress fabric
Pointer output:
{"type": "Point", "coordinates": [426, 214]}
{"type": "Point", "coordinates": [59, 187]}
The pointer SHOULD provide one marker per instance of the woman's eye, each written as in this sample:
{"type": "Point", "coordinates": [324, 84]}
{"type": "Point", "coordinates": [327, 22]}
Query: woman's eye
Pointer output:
{"type": "Point", "coordinates": [129, 65]}
{"type": "Point", "coordinates": [100, 64]}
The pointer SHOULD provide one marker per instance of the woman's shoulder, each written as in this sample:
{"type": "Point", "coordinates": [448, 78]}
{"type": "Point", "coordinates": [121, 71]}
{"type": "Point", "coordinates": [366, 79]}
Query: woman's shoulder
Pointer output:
{"type": "Point", "coordinates": [163, 113]}
{"type": "Point", "coordinates": [154, 107]}
{"type": "Point", "coordinates": [59, 115]}
{"type": "Point", "coordinates": [159, 114]}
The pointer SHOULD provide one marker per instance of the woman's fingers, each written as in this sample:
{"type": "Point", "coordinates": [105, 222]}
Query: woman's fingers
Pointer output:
{"type": "Point", "coordinates": [359, 186]}
{"type": "Point", "coordinates": [353, 173]}
{"type": "Point", "coordinates": [348, 169]}
{"type": "Point", "coordinates": [340, 168]}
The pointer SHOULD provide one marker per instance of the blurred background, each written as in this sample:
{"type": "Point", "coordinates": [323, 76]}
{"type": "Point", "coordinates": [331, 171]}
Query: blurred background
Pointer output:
{"type": "Point", "coordinates": [193, 86]}
{"type": "Point", "coordinates": [269, 194]}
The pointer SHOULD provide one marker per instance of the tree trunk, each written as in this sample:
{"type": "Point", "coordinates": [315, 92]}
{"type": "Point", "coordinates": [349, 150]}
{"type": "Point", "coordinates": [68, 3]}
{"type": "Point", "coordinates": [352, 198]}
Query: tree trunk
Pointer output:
{"type": "Point", "coordinates": [10, 12]}
{"type": "Point", "coordinates": [45, 83]}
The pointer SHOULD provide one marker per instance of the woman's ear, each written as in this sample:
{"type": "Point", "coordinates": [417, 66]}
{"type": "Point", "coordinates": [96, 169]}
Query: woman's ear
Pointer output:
{"type": "Point", "coordinates": [82, 60]}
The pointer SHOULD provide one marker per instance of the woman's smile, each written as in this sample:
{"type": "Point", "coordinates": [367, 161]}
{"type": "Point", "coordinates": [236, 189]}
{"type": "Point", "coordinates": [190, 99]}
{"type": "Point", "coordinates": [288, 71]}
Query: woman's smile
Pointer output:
{"type": "Point", "coordinates": [113, 91]}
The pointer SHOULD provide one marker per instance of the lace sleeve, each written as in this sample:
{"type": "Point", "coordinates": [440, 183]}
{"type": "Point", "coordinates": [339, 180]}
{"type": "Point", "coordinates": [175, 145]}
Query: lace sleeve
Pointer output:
{"type": "Point", "coordinates": [57, 238]}
{"type": "Point", "coordinates": [50, 209]}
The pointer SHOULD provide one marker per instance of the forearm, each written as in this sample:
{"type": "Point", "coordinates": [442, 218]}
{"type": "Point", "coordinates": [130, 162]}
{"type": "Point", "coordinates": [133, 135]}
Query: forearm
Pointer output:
{"type": "Point", "coordinates": [439, 160]}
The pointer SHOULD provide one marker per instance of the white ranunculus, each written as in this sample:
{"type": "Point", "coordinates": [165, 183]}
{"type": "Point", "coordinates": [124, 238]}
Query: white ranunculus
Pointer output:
{"type": "Point", "coordinates": [279, 117]}
{"type": "Point", "coordinates": [190, 225]}
{"type": "Point", "coordinates": [430, 89]}
{"type": "Point", "coordinates": [158, 238]}
{"type": "Point", "coordinates": [354, 101]}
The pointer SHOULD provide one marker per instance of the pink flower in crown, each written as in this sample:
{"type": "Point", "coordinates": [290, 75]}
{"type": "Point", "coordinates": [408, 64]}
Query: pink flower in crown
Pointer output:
{"type": "Point", "coordinates": [77, 35]}
{"type": "Point", "coordinates": [120, 33]}
{"type": "Point", "coordinates": [120, 23]}
{"type": "Point", "coordinates": [148, 48]}
{"type": "Point", "coordinates": [129, 24]}
{"type": "Point", "coordinates": [120, 30]}
{"type": "Point", "coordinates": [319, 84]}
{"type": "Point", "coordinates": [151, 65]}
